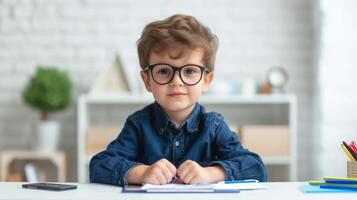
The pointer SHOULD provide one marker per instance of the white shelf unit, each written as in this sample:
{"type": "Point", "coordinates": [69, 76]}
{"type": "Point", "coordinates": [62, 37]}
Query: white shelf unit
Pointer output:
{"type": "Point", "coordinates": [51, 164]}
{"type": "Point", "coordinates": [238, 110]}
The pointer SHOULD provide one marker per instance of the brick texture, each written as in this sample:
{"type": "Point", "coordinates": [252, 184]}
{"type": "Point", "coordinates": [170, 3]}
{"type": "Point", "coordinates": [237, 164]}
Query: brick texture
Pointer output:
{"type": "Point", "coordinates": [83, 36]}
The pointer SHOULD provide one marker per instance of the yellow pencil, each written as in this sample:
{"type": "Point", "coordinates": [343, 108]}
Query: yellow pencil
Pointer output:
{"type": "Point", "coordinates": [347, 152]}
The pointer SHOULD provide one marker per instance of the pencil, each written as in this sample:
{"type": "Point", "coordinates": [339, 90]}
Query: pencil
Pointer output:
{"type": "Point", "coordinates": [350, 150]}
{"type": "Point", "coordinates": [347, 153]}
{"type": "Point", "coordinates": [353, 146]}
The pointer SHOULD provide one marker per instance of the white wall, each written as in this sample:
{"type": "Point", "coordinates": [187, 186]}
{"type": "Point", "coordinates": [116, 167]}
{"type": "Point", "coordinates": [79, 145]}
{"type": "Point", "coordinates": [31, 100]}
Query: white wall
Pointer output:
{"type": "Point", "coordinates": [83, 36]}
{"type": "Point", "coordinates": [337, 84]}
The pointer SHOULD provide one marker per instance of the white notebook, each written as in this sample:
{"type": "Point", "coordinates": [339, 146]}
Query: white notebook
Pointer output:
{"type": "Point", "coordinates": [178, 188]}
{"type": "Point", "coordinates": [202, 187]}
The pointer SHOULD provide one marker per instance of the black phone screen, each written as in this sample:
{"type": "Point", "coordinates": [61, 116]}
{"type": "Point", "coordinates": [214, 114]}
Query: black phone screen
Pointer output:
{"type": "Point", "coordinates": [49, 186]}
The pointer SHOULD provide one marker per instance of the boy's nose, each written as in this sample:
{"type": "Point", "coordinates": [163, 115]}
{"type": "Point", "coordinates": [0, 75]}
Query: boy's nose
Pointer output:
{"type": "Point", "coordinates": [176, 80]}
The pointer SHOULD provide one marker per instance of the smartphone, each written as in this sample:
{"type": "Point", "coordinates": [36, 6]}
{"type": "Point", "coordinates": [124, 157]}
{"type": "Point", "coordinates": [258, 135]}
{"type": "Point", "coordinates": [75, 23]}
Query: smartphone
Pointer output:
{"type": "Point", "coordinates": [49, 186]}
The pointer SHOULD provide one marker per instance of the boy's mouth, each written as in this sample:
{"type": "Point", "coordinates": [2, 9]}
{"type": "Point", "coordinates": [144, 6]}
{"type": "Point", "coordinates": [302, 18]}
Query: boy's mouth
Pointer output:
{"type": "Point", "coordinates": [176, 94]}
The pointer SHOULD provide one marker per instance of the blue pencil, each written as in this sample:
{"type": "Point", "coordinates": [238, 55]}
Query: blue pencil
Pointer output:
{"type": "Point", "coordinates": [240, 181]}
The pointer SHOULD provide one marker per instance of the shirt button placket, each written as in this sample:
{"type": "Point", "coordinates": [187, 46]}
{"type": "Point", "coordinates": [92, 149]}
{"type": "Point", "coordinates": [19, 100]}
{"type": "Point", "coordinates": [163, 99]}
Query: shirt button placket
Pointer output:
{"type": "Point", "coordinates": [179, 144]}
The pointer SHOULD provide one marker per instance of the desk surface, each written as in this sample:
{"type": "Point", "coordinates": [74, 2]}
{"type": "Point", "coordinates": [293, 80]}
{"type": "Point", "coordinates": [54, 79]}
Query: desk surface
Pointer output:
{"type": "Point", "coordinates": [276, 190]}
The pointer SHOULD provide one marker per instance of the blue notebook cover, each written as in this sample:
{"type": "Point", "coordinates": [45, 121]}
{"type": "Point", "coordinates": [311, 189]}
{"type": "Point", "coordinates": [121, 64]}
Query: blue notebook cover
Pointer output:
{"type": "Point", "coordinates": [132, 189]}
{"type": "Point", "coordinates": [317, 189]}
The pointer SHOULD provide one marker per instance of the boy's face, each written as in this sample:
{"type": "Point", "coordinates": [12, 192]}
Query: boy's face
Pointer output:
{"type": "Point", "coordinates": [176, 96]}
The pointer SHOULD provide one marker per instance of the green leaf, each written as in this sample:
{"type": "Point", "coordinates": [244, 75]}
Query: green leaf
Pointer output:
{"type": "Point", "coordinates": [50, 89]}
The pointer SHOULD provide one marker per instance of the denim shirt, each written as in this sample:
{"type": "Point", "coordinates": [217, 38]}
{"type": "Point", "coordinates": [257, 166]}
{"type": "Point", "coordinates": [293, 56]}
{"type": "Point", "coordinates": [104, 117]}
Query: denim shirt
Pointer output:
{"type": "Point", "coordinates": [149, 135]}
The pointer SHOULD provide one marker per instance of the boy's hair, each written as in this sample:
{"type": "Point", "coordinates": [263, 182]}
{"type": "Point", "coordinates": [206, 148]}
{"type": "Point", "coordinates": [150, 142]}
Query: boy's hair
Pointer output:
{"type": "Point", "coordinates": [177, 30]}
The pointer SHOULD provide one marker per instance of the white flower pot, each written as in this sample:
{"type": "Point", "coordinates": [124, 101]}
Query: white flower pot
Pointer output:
{"type": "Point", "coordinates": [48, 133]}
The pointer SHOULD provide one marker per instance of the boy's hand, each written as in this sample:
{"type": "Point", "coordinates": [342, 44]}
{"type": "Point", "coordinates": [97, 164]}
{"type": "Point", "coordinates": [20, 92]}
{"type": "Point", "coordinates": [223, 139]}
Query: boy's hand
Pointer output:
{"type": "Point", "coordinates": [190, 172]}
{"type": "Point", "coordinates": [159, 173]}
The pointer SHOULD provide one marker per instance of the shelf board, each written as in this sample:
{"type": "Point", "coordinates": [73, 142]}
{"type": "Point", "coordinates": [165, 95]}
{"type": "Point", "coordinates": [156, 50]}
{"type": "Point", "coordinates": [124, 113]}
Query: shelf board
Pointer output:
{"type": "Point", "coordinates": [276, 160]}
{"type": "Point", "coordinates": [117, 98]}
{"type": "Point", "coordinates": [206, 99]}
{"type": "Point", "coordinates": [21, 154]}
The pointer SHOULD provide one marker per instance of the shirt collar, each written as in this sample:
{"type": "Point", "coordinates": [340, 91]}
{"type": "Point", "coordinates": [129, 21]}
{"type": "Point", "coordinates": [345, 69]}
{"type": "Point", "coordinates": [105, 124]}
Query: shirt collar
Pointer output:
{"type": "Point", "coordinates": [194, 119]}
{"type": "Point", "coordinates": [161, 120]}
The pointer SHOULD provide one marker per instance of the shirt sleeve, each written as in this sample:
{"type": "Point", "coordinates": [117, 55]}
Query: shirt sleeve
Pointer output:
{"type": "Point", "coordinates": [238, 162]}
{"type": "Point", "coordinates": [112, 165]}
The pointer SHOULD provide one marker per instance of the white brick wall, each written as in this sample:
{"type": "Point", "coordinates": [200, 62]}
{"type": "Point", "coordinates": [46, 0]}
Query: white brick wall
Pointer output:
{"type": "Point", "coordinates": [84, 35]}
{"type": "Point", "coordinates": [337, 92]}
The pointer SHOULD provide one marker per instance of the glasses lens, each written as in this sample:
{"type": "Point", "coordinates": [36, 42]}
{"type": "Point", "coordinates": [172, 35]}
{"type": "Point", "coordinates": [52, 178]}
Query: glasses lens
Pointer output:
{"type": "Point", "coordinates": [191, 74]}
{"type": "Point", "coordinates": [162, 73]}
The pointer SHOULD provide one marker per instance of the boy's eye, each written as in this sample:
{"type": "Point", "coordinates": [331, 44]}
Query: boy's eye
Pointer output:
{"type": "Point", "coordinates": [164, 71]}
{"type": "Point", "coordinates": [190, 70]}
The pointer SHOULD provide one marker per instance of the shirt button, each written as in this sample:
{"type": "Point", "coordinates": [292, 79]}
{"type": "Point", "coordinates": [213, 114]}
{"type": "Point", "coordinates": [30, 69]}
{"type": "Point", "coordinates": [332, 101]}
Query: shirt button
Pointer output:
{"type": "Point", "coordinates": [177, 143]}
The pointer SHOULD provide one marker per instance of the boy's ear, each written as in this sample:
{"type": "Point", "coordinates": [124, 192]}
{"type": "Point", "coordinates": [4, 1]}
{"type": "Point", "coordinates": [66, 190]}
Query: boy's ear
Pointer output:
{"type": "Point", "coordinates": [146, 79]}
{"type": "Point", "coordinates": [207, 81]}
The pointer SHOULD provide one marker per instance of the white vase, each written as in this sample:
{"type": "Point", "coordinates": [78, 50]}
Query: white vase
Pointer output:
{"type": "Point", "coordinates": [48, 133]}
{"type": "Point", "coordinates": [249, 87]}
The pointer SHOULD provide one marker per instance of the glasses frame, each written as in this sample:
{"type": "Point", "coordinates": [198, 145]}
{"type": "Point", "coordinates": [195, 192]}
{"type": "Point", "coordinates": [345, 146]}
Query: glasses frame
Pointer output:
{"type": "Point", "coordinates": [175, 68]}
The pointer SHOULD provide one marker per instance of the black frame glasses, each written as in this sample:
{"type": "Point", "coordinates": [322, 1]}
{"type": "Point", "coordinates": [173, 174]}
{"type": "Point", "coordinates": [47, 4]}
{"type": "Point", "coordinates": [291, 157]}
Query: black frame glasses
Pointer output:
{"type": "Point", "coordinates": [179, 69]}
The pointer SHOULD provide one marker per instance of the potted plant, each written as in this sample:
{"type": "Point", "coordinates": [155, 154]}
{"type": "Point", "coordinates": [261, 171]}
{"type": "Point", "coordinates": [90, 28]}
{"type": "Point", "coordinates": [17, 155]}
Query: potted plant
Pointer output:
{"type": "Point", "coordinates": [49, 90]}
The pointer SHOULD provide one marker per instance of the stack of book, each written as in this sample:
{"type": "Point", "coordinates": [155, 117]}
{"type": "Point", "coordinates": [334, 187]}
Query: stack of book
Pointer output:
{"type": "Point", "coordinates": [337, 183]}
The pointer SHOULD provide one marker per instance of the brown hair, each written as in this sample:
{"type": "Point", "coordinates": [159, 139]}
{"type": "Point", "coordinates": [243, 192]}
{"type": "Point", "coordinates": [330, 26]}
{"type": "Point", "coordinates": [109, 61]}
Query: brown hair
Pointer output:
{"type": "Point", "coordinates": [177, 30]}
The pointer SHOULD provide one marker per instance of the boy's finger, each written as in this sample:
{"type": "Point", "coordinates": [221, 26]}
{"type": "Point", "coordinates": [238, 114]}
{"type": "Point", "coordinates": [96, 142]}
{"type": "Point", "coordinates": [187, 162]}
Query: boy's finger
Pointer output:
{"type": "Point", "coordinates": [169, 165]}
{"type": "Point", "coordinates": [184, 173]}
{"type": "Point", "coordinates": [172, 168]}
{"type": "Point", "coordinates": [182, 170]}
{"type": "Point", "coordinates": [163, 161]}
{"type": "Point", "coordinates": [187, 179]}
{"type": "Point", "coordinates": [167, 174]}
{"type": "Point", "coordinates": [161, 179]}
{"type": "Point", "coordinates": [194, 180]}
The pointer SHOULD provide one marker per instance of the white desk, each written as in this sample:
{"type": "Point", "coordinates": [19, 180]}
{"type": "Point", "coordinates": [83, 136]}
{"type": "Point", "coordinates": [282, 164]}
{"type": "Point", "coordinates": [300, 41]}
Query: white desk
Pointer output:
{"type": "Point", "coordinates": [288, 190]}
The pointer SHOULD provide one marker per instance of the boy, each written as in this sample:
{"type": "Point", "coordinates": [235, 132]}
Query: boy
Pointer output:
{"type": "Point", "coordinates": [174, 139]}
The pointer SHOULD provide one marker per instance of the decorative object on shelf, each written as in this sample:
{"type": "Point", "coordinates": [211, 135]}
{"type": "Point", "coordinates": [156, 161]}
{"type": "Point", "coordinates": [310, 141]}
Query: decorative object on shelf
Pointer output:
{"type": "Point", "coordinates": [265, 88]}
{"type": "Point", "coordinates": [249, 87]}
{"type": "Point", "coordinates": [220, 86]}
{"type": "Point", "coordinates": [49, 90]}
{"type": "Point", "coordinates": [31, 173]}
{"type": "Point", "coordinates": [224, 87]}
{"type": "Point", "coordinates": [114, 80]}
{"type": "Point", "coordinates": [277, 78]}
{"type": "Point", "coordinates": [234, 85]}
